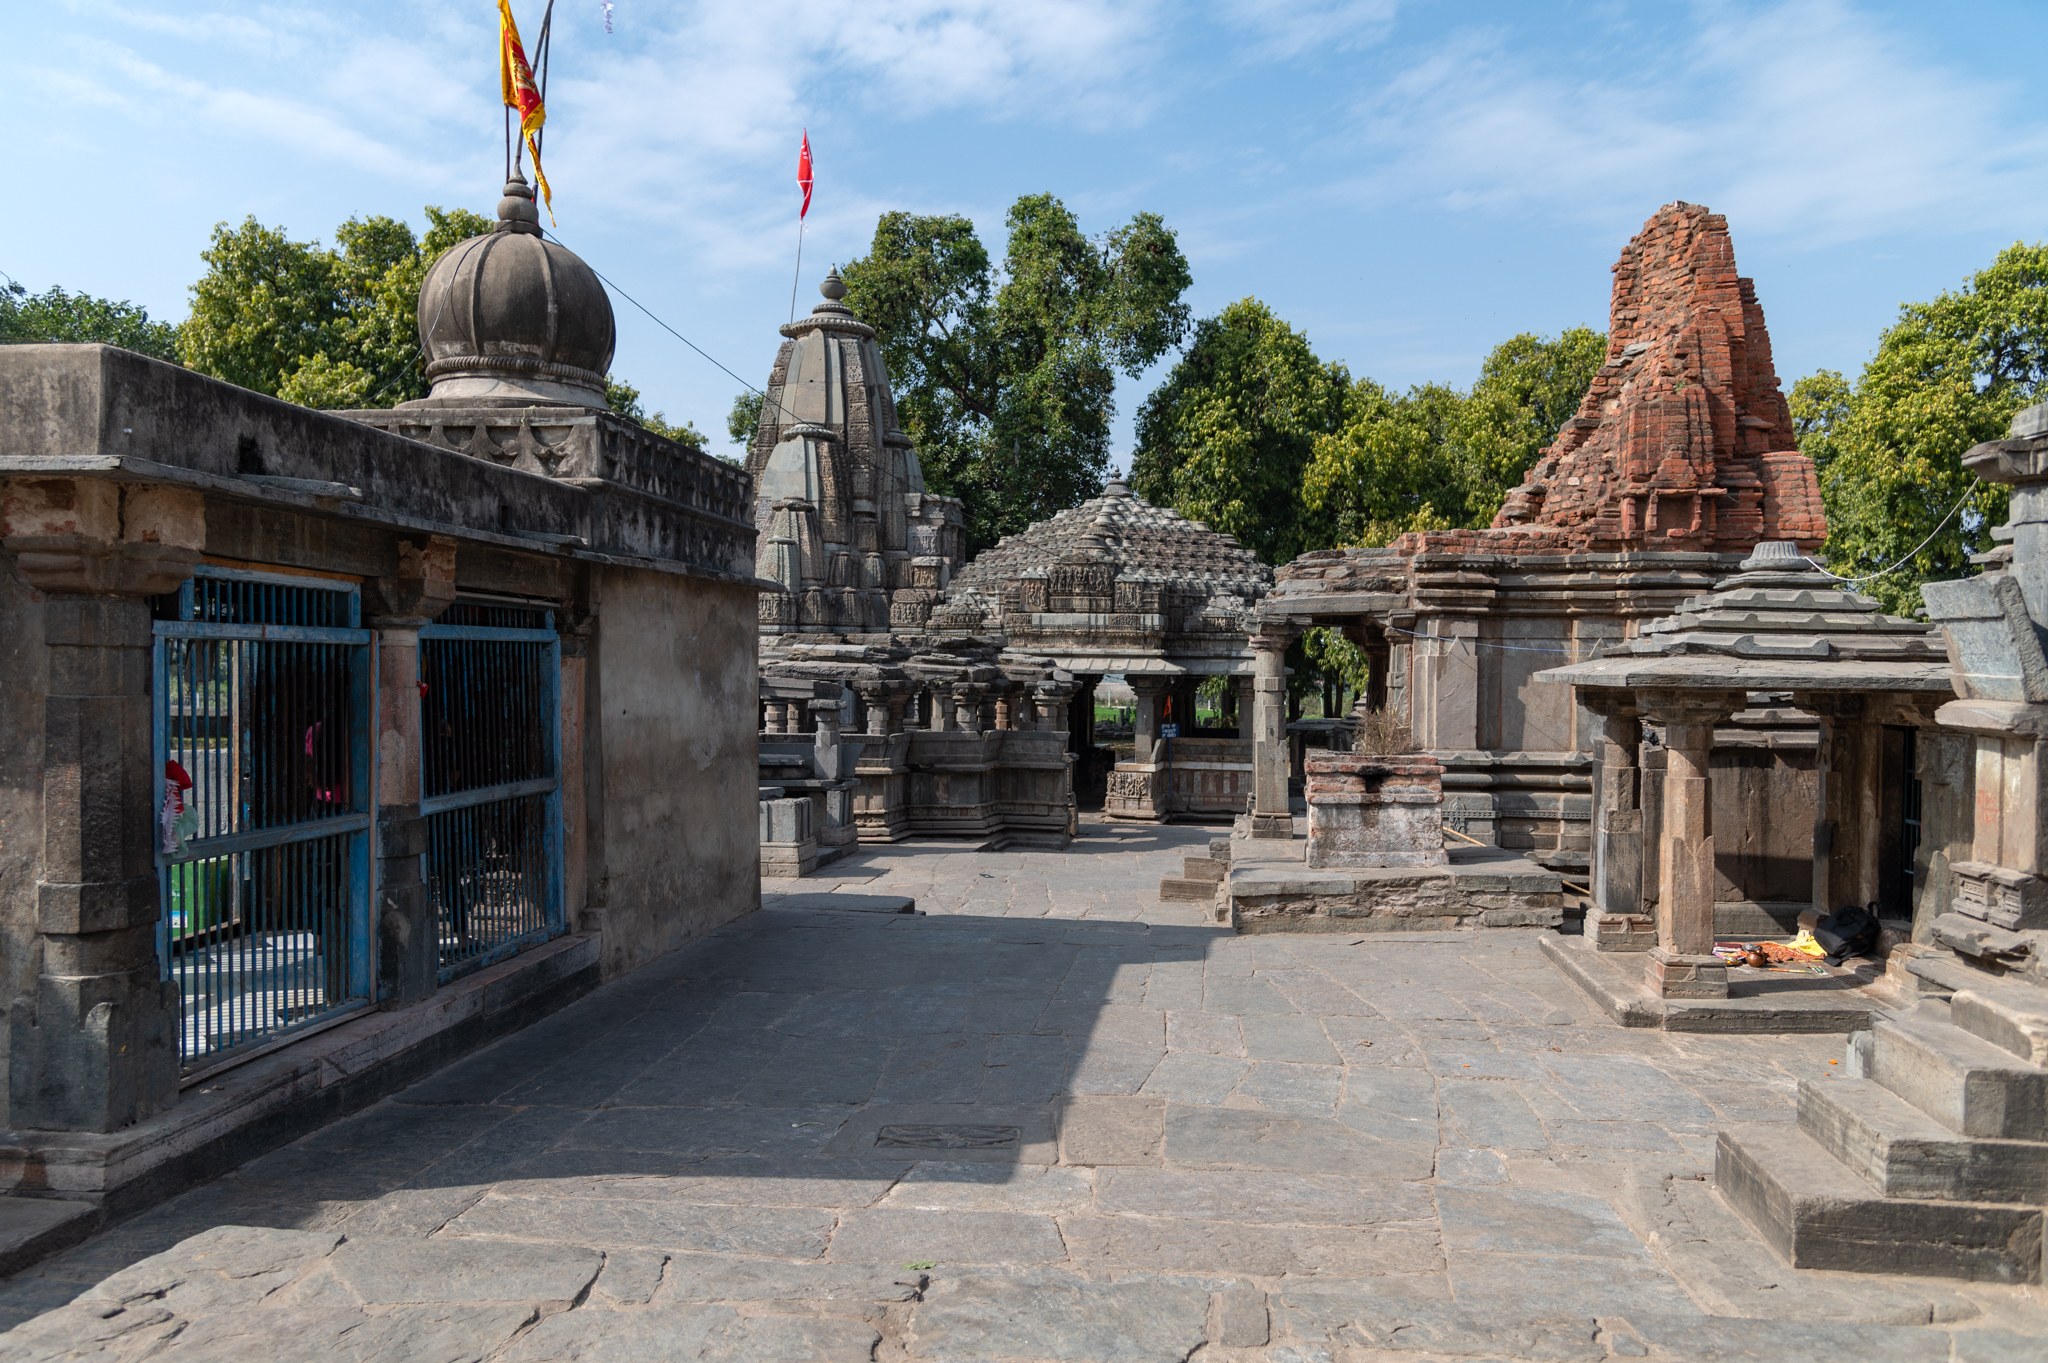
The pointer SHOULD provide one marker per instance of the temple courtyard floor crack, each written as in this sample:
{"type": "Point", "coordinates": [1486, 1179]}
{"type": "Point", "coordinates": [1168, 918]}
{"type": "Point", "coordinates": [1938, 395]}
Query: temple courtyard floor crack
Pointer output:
{"type": "Point", "coordinates": [1045, 1118]}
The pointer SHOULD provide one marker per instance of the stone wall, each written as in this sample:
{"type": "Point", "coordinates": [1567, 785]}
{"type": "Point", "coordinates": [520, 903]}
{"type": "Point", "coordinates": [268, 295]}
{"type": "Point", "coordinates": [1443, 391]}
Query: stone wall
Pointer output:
{"type": "Point", "coordinates": [671, 748]}
{"type": "Point", "coordinates": [24, 681]}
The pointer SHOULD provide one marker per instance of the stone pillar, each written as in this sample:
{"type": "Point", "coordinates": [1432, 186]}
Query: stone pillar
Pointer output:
{"type": "Point", "coordinates": [778, 716]}
{"type": "Point", "coordinates": [1006, 709]}
{"type": "Point", "coordinates": [826, 754]}
{"type": "Point", "coordinates": [1145, 721]}
{"type": "Point", "coordinates": [1845, 831]}
{"type": "Point", "coordinates": [940, 701]}
{"type": "Point", "coordinates": [94, 1048]}
{"type": "Point", "coordinates": [1618, 921]}
{"type": "Point", "coordinates": [1683, 965]}
{"type": "Point", "coordinates": [1270, 815]}
{"type": "Point", "coordinates": [1245, 685]}
{"type": "Point", "coordinates": [408, 938]}
{"type": "Point", "coordinates": [967, 707]}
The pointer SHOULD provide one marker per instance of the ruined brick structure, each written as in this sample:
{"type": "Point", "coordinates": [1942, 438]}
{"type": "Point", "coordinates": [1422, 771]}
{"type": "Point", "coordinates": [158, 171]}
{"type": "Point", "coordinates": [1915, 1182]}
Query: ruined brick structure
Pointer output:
{"type": "Point", "coordinates": [1683, 441]}
{"type": "Point", "coordinates": [1679, 461]}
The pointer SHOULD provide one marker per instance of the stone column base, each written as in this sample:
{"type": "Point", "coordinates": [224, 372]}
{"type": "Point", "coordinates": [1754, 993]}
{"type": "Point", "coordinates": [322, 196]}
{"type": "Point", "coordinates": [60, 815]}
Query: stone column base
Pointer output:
{"type": "Point", "coordinates": [1672, 976]}
{"type": "Point", "coordinates": [1621, 931]}
{"type": "Point", "coordinates": [1273, 826]}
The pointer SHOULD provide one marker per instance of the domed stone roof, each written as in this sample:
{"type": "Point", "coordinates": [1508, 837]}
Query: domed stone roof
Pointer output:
{"type": "Point", "coordinates": [1123, 529]}
{"type": "Point", "coordinates": [515, 319]}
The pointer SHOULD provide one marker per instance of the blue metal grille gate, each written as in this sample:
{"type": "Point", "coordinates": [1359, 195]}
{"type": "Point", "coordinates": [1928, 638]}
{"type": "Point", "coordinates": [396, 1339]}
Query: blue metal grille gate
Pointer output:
{"type": "Point", "coordinates": [490, 782]}
{"type": "Point", "coordinates": [263, 696]}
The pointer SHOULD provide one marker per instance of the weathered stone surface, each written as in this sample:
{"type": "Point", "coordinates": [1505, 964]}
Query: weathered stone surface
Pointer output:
{"type": "Point", "coordinates": [946, 1186]}
{"type": "Point", "coordinates": [1309, 1145]}
{"type": "Point", "coordinates": [1110, 1130]}
{"type": "Point", "coordinates": [630, 1277]}
{"type": "Point", "coordinates": [970, 1319]}
{"type": "Point", "coordinates": [1363, 1319]}
{"type": "Point", "coordinates": [1259, 1197]}
{"type": "Point", "coordinates": [899, 1235]}
{"type": "Point", "coordinates": [399, 1272]}
{"type": "Point", "coordinates": [725, 1278]}
{"type": "Point", "coordinates": [790, 1232]}
{"type": "Point", "coordinates": [1176, 1246]}
{"type": "Point", "coordinates": [1719, 1340]}
{"type": "Point", "coordinates": [696, 1333]}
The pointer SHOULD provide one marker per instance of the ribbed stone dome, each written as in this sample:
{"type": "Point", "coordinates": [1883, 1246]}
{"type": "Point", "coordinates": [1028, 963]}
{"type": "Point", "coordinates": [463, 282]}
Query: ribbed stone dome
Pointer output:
{"type": "Point", "coordinates": [512, 318]}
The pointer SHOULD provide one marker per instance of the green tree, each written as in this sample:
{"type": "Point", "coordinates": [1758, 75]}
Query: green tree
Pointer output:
{"type": "Point", "coordinates": [1947, 375]}
{"type": "Point", "coordinates": [744, 418]}
{"type": "Point", "coordinates": [327, 328]}
{"type": "Point", "coordinates": [624, 399]}
{"type": "Point", "coordinates": [1005, 377]}
{"type": "Point", "coordinates": [75, 318]}
{"type": "Point", "coordinates": [1227, 437]}
{"type": "Point", "coordinates": [1434, 458]}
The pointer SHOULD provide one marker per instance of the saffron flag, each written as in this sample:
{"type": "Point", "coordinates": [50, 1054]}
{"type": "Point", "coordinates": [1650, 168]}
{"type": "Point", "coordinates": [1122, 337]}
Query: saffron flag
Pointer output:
{"type": "Point", "coordinates": [803, 174]}
{"type": "Point", "coordinates": [515, 77]}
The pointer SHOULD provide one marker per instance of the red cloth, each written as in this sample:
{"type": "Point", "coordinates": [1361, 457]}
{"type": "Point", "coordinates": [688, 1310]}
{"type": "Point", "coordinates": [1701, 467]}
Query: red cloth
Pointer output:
{"type": "Point", "coordinates": [803, 173]}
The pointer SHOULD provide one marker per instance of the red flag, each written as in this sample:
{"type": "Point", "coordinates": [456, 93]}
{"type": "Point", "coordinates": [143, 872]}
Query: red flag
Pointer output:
{"type": "Point", "coordinates": [803, 174]}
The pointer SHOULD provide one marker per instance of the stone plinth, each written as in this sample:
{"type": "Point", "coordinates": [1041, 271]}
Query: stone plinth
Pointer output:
{"type": "Point", "coordinates": [1477, 887]}
{"type": "Point", "coordinates": [1371, 811]}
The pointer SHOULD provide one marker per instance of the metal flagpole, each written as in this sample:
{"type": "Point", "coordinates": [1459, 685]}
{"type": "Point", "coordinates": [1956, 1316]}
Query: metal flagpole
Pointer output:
{"type": "Point", "coordinates": [795, 283]}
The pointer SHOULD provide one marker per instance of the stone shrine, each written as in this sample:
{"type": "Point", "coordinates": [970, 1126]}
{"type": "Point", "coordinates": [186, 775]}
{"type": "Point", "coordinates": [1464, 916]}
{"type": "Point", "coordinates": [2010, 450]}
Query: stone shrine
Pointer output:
{"type": "Point", "coordinates": [847, 529]}
{"type": "Point", "coordinates": [1679, 461]}
{"type": "Point", "coordinates": [1119, 587]}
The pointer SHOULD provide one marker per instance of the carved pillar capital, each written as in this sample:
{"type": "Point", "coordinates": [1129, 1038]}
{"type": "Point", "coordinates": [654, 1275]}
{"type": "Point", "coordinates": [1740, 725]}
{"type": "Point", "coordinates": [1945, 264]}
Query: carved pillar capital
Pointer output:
{"type": "Point", "coordinates": [92, 537]}
{"type": "Point", "coordinates": [420, 590]}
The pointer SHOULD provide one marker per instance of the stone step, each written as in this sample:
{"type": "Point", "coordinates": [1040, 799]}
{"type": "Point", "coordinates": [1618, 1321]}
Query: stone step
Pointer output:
{"type": "Point", "coordinates": [1962, 1081]}
{"type": "Point", "coordinates": [1204, 868]}
{"type": "Point", "coordinates": [1900, 1151]}
{"type": "Point", "coordinates": [2009, 1015]}
{"type": "Point", "coordinates": [1176, 889]}
{"type": "Point", "coordinates": [1817, 1214]}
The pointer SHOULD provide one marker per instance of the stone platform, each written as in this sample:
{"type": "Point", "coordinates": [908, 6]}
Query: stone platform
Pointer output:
{"type": "Point", "coordinates": [1270, 888]}
{"type": "Point", "coordinates": [1758, 1003]}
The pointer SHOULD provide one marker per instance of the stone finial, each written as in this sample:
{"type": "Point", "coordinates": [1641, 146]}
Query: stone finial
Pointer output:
{"type": "Point", "coordinates": [1775, 556]}
{"type": "Point", "coordinates": [516, 211]}
{"type": "Point", "coordinates": [834, 287]}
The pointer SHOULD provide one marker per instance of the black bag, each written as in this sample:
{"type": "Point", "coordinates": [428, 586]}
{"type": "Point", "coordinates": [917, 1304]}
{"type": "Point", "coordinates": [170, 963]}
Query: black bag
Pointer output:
{"type": "Point", "coordinates": [1847, 932]}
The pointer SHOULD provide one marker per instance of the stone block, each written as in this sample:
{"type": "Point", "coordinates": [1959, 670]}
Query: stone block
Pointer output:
{"type": "Point", "coordinates": [1173, 889]}
{"type": "Point", "coordinates": [1686, 977]}
{"type": "Point", "coordinates": [2000, 896]}
{"type": "Point", "coordinates": [1052, 1314]}
{"type": "Point", "coordinates": [1902, 1152]}
{"type": "Point", "coordinates": [1963, 1081]}
{"type": "Point", "coordinates": [1523, 917]}
{"type": "Point", "coordinates": [1621, 931]}
{"type": "Point", "coordinates": [1817, 1214]}
{"type": "Point", "coordinates": [1205, 868]}
{"type": "Point", "coordinates": [2011, 1016]}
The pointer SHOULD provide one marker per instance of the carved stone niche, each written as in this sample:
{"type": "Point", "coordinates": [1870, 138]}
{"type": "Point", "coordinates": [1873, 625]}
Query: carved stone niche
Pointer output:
{"type": "Point", "coordinates": [1997, 895]}
{"type": "Point", "coordinates": [1082, 588]}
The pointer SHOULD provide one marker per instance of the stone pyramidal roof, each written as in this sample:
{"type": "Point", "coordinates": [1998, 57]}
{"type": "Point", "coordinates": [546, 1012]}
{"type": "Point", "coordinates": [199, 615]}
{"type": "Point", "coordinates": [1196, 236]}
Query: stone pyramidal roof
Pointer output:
{"type": "Point", "coordinates": [1684, 440]}
{"type": "Point", "coordinates": [1781, 606]}
{"type": "Point", "coordinates": [1139, 538]}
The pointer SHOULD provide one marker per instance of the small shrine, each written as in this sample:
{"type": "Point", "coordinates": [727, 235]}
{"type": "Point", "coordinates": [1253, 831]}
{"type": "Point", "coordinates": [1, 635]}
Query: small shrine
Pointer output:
{"type": "Point", "coordinates": [1119, 587]}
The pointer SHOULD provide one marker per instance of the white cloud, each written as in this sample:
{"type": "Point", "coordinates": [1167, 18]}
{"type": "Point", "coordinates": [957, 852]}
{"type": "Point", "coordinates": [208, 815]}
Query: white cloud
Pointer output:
{"type": "Point", "coordinates": [1292, 27]}
{"type": "Point", "coordinates": [1805, 118]}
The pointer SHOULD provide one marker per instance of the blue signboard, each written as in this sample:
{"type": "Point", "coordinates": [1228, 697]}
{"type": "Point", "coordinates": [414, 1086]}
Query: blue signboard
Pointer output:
{"type": "Point", "coordinates": [1169, 731]}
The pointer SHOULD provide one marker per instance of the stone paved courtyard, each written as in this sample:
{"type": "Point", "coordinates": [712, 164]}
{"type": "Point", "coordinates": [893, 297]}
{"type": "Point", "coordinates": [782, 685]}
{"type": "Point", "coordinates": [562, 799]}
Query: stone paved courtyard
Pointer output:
{"type": "Point", "coordinates": [1052, 1119]}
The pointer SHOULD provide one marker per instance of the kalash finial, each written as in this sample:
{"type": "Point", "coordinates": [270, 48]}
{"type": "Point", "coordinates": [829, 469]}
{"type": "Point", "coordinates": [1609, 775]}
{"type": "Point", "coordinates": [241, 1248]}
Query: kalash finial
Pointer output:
{"type": "Point", "coordinates": [516, 211]}
{"type": "Point", "coordinates": [834, 287]}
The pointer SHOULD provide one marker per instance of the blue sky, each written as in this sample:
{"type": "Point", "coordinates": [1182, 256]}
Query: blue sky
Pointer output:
{"type": "Point", "coordinates": [1407, 182]}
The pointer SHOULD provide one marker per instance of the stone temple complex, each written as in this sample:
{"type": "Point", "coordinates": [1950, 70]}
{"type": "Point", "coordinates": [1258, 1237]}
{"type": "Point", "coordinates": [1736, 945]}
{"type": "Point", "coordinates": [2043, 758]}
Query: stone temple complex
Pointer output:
{"type": "Point", "coordinates": [903, 692]}
{"type": "Point", "coordinates": [1678, 463]}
